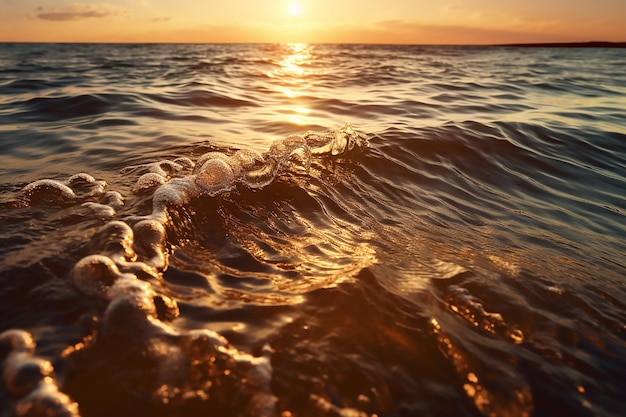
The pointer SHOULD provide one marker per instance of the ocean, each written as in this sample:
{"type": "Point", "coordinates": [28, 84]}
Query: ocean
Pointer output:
{"type": "Point", "coordinates": [312, 230]}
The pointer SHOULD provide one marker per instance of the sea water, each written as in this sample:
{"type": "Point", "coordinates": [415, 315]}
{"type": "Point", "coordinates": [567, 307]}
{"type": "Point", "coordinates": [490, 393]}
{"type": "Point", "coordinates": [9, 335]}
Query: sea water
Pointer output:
{"type": "Point", "coordinates": [312, 230]}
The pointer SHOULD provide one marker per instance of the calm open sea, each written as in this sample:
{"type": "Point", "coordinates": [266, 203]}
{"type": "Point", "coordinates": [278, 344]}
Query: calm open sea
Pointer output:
{"type": "Point", "coordinates": [312, 230]}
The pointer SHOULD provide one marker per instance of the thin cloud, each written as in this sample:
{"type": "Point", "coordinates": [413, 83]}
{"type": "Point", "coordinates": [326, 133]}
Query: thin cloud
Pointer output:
{"type": "Point", "coordinates": [160, 19]}
{"type": "Point", "coordinates": [78, 11]}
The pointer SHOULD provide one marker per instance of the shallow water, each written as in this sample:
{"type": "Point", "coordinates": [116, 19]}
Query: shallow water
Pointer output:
{"type": "Point", "coordinates": [312, 230]}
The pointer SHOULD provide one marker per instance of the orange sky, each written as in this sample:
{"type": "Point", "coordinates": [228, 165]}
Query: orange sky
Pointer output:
{"type": "Point", "coordinates": [333, 21]}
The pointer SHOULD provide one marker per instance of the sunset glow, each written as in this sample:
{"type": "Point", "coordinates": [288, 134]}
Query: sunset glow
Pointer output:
{"type": "Point", "coordinates": [322, 21]}
{"type": "Point", "coordinates": [294, 8]}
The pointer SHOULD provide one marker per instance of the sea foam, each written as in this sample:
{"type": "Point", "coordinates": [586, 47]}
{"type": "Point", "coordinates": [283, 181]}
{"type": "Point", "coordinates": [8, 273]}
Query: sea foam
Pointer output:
{"type": "Point", "coordinates": [136, 314]}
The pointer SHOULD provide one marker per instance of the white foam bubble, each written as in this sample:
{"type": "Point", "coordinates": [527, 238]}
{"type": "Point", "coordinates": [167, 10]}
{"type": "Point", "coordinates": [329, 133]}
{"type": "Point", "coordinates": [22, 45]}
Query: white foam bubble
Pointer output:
{"type": "Point", "coordinates": [118, 238]}
{"type": "Point", "coordinates": [78, 187]}
{"type": "Point", "coordinates": [208, 156]}
{"type": "Point", "coordinates": [30, 380]}
{"type": "Point", "coordinates": [261, 173]}
{"type": "Point", "coordinates": [46, 401]}
{"type": "Point", "coordinates": [299, 160]}
{"type": "Point", "coordinates": [215, 176]}
{"type": "Point", "coordinates": [169, 167]}
{"type": "Point", "coordinates": [100, 210]}
{"type": "Point", "coordinates": [48, 191]}
{"type": "Point", "coordinates": [113, 199]}
{"type": "Point", "coordinates": [22, 373]}
{"type": "Point", "coordinates": [86, 185]}
{"type": "Point", "coordinates": [184, 163]}
{"type": "Point", "coordinates": [292, 153]}
{"type": "Point", "coordinates": [16, 340]}
{"type": "Point", "coordinates": [319, 144]}
{"type": "Point", "coordinates": [80, 179]}
{"type": "Point", "coordinates": [247, 158]}
{"type": "Point", "coordinates": [95, 274]}
{"type": "Point", "coordinates": [150, 242]}
{"type": "Point", "coordinates": [178, 192]}
{"type": "Point", "coordinates": [148, 181]}
{"type": "Point", "coordinates": [281, 148]}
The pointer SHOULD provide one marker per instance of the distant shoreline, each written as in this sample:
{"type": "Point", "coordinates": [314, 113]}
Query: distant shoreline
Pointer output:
{"type": "Point", "coordinates": [592, 44]}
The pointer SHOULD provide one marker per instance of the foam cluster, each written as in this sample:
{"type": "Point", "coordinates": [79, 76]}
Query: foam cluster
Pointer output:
{"type": "Point", "coordinates": [78, 188]}
{"type": "Point", "coordinates": [72, 189]}
{"type": "Point", "coordinates": [187, 364]}
{"type": "Point", "coordinates": [30, 379]}
{"type": "Point", "coordinates": [133, 255]}
{"type": "Point", "coordinates": [217, 172]}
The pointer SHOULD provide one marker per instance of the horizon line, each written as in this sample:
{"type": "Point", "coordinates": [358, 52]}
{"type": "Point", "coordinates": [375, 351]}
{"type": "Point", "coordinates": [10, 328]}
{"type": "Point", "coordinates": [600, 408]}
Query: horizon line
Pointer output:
{"type": "Point", "coordinates": [597, 44]}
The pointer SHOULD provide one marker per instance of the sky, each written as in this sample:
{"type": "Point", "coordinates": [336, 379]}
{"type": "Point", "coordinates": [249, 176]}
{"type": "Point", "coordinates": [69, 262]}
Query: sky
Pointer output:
{"type": "Point", "coordinates": [314, 21]}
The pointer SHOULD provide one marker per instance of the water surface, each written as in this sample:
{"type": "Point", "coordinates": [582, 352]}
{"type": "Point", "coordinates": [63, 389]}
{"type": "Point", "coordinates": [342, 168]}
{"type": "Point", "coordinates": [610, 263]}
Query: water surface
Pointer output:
{"type": "Point", "coordinates": [312, 230]}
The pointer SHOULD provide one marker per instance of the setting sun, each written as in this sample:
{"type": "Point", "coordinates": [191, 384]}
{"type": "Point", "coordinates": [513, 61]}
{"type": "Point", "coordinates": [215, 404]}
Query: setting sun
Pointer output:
{"type": "Point", "coordinates": [294, 8]}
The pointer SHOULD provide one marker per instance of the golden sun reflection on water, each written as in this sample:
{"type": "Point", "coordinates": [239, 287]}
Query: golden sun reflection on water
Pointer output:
{"type": "Point", "coordinates": [300, 116]}
{"type": "Point", "coordinates": [299, 54]}
{"type": "Point", "coordinates": [294, 75]}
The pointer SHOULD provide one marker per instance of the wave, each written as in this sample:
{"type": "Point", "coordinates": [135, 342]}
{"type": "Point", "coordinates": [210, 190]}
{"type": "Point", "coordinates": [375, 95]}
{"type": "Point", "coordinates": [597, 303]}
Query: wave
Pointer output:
{"type": "Point", "coordinates": [243, 236]}
{"type": "Point", "coordinates": [135, 251]}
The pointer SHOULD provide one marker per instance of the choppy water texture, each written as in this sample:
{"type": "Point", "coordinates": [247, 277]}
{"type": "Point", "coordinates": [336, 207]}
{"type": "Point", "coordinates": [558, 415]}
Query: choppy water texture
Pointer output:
{"type": "Point", "coordinates": [312, 230]}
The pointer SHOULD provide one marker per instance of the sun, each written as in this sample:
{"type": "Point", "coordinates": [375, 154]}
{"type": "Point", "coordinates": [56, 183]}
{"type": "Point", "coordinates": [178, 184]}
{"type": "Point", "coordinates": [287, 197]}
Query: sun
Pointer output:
{"type": "Point", "coordinates": [294, 8]}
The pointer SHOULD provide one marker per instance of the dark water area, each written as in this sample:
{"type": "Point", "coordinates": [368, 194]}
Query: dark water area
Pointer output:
{"type": "Point", "coordinates": [312, 230]}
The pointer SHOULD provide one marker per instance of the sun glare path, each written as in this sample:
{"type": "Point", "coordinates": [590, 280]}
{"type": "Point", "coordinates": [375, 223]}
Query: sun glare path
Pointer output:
{"type": "Point", "coordinates": [294, 8]}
